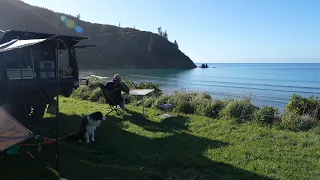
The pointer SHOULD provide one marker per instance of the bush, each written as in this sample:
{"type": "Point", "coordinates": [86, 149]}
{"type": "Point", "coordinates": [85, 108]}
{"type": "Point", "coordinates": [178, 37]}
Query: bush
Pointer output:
{"type": "Point", "coordinates": [177, 97]}
{"type": "Point", "coordinates": [95, 95]}
{"type": "Point", "coordinates": [204, 108]}
{"type": "Point", "coordinates": [218, 106]}
{"type": "Point", "coordinates": [181, 100]}
{"type": "Point", "coordinates": [160, 100]}
{"type": "Point", "coordinates": [83, 92]}
{"type": "Point", "coordinates": [184, 106]}
{"type": "Point", "coordinates": [265, 115]}
{"type": "Point", "coordinates": [306, 122]}
{"type": "Point", "coordinates": [129, 82]}
{"type": "Point", "coordinates": [204, 96]}
{"type": "Point", "coordinates": [240, 110]}
{"type": "Point", "coordinates": [94, 83]}
{"type": "Point", "coordinates": [303, 106]}
{"type": "Point", "coordinates": [102, 100]}
{"type": "Point", "coordinates": [207, 107]}
{"type": "Point", "coordinates": [148, 102]}
{"type": "Point", "coordinates": [296, 122]}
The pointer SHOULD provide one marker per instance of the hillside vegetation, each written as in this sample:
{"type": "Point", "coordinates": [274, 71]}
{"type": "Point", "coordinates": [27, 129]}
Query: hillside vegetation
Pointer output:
{"type": "Point", "coordinates": [116, 47]}
{"type": "Point", "coordinates": [301, 114]}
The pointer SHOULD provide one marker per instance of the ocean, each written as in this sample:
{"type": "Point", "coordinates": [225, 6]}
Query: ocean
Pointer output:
{"type": "Point", "coordinates": [266, 83]}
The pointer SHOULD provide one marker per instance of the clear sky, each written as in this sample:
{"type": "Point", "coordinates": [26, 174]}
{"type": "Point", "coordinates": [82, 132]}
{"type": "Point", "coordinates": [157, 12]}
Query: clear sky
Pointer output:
{"type": "Point", "coordinates": [215, 30]}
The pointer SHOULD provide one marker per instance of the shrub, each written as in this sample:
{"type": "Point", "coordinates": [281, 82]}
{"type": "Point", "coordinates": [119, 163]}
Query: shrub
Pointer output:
{"type": "Point", "coordinates": [94, 83]}
{"type": "Point", "coordinates": [95, 95]}
{"type": "Point", "coordinates": [160, 100]}
{"type": "Point", "coordinates": [265, 115]}
{"type": "Point", "coordinates": [240, 110]}
{"type": "Point", "coordinates": [204, 96]}
{"type": "Point", "coordinates": [306, 122]}
{"type": "Point", "coordinates": [129, 82]}
{"type": "Point", "coordinates": [83, 92]}
{"type": "Point", "coordinates": [182, 102]}
{"type": "Point", "coordinates": [180, 96]}
{"type": "Point", "coordinates": [148, 102]}
{"type": "Point", "coordinates": [207, 107]}
{"type": "Point", "coordinates": [303, 106]}
{"type": "Point", "coordinates": [184, 106]}
{"type": "Point", "coordinates": [296, 122]}
{"type": "Point", "coordinates": [218, 106]}
{"type": "Point", "coordinates": [102, 100]}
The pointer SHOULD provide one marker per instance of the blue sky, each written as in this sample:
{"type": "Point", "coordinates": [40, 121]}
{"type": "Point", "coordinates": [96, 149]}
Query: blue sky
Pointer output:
{"type": "Point", "coordinates": [215, 30]}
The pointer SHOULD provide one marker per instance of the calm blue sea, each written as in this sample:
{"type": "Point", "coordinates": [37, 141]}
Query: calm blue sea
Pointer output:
{"type": "Point", "coordinates": [268, 84]}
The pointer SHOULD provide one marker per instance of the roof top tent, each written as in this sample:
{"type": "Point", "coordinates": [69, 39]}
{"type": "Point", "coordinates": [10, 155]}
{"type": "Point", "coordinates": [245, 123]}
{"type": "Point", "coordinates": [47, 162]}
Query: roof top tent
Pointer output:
{"type": "Point", "coordinates": [28, 70]}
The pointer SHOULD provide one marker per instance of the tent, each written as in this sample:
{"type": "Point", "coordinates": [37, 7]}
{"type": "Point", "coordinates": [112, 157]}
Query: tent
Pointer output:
{"type": "Point", "coordinates": [11, 131]}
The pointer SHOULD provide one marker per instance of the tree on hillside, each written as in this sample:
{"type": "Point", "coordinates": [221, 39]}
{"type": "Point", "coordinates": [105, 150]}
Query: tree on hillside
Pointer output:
{"type": "Point", "coordinates": [160, 32]}
{"type": "Point", "coordinates": [175, 42]}
{"type": "Point", "coordinates": [165, 35]}
{"type": "Point", "coordinates": [78, 16]}
{"type": "Point", "coordinates": [150, 43]}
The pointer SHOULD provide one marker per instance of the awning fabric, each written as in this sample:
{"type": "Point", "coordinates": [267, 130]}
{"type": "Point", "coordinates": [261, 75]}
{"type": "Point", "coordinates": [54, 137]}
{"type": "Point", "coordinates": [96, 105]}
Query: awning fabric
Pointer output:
{"type": "Point", "coordinates": [11, 131]}
{"type": "Point", "coordinates": [16, 44]}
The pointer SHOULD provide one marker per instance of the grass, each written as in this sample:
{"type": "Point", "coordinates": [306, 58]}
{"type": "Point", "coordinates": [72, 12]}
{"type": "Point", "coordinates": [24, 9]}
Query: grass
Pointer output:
{"type": "Point", "coordinates": [182, 147]}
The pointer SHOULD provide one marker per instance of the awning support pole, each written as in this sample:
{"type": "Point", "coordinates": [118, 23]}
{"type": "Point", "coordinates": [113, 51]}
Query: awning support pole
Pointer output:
{"type": "Point", "coordinates": [57, 104]}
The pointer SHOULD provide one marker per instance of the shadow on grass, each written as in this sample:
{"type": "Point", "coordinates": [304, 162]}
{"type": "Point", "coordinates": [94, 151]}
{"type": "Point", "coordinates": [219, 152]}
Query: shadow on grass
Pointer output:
{"type": "Point", "coordinates": [169, 124]}
{"type": "Point", "coordinates": [128, 155]}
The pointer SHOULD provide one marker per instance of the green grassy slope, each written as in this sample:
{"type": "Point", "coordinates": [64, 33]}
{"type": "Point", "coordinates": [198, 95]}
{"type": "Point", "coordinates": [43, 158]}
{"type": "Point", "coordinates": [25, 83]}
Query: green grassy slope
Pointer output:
{"type": "Point", "coordinates": [182, 147]}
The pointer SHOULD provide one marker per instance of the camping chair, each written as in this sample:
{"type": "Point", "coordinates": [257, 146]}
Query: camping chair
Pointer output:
{"type": "Point", "coordinates": [112, 95]}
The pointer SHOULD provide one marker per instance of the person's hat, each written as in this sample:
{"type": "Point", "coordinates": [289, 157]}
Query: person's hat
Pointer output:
{"type": "Point", "coordinates": [117, 76]}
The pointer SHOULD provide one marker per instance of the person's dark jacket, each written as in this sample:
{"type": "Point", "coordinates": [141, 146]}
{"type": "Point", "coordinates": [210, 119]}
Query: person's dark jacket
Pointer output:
{"type": "Point", "coordinates": [123, 87]}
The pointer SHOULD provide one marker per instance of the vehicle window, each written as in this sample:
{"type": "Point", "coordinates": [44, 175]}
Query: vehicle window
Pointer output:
{"type": "Point", "coordinates": [41, 54]}
{"type": "Point", "coordinates": [12, 59]}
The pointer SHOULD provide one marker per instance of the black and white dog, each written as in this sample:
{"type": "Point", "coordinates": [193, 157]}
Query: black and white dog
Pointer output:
{"type": "Point", "coordinates": [88, 126]}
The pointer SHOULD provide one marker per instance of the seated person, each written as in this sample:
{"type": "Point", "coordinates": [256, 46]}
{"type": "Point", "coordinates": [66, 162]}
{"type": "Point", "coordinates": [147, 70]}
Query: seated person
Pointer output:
{"type": "Point", "coordinates": [123, 87]}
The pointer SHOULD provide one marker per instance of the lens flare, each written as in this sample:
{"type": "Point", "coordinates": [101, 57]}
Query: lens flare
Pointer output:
{"type": "Point", "coordinates": [63, 18]}
{"type": "Point", "coordinates": [78, 29]}
{"type": "Point", "coordinates": [70, 23]}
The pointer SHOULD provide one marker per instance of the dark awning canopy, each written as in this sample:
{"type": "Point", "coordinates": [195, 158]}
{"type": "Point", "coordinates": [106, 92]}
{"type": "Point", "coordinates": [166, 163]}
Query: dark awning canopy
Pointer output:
{"type": "Point", "coordinates": [68, 41]}
{"type": "Point", "coordinates": [16, 44]}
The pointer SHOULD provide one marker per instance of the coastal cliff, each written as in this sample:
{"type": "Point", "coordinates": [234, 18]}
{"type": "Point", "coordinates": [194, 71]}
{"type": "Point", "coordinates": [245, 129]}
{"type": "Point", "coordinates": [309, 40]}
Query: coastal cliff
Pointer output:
{"type": "Point", "coordinates": [116, 47]}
